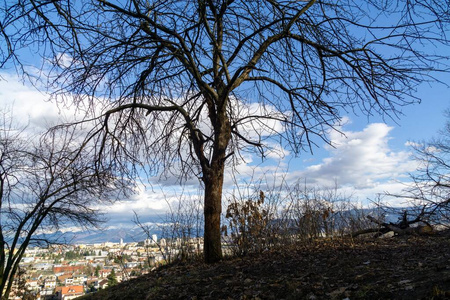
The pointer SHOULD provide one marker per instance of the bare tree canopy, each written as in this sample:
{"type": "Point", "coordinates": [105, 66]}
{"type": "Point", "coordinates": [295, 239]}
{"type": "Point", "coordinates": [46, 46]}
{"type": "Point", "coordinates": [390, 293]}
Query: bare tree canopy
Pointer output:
{"type": "Point", "coordinates": [45, 185]}
{"type": "Point", "coordinates": [428, 195]}
{"type": "Point", "coordinates": [190, 84]}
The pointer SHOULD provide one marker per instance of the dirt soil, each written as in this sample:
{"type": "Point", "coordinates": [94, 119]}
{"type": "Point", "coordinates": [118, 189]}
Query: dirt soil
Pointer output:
{"type": "Point", "coordinates": [392, 268]}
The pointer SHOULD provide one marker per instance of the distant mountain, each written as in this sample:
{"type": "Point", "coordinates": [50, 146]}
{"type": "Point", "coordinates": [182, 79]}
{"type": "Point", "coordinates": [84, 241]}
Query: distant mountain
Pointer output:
{"type": "Point", "coordinates": [132, 233]}
{"type": "Point", "coordinates": [112, 234]}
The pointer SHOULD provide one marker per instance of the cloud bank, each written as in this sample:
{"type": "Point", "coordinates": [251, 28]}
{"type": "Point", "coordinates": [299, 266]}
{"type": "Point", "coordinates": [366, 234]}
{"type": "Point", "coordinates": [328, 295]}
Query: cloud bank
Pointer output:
{"type": "Point", "coordinates": [358, 161]}
{"type": "Point", "coordinates": [361, 159]}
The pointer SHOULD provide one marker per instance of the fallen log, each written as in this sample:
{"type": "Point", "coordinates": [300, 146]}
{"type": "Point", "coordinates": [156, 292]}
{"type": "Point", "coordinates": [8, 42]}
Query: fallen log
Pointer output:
{"type": "Point", "coordinates": [379, 231]}
{"type": "Point", "coordinates": [401, 228]}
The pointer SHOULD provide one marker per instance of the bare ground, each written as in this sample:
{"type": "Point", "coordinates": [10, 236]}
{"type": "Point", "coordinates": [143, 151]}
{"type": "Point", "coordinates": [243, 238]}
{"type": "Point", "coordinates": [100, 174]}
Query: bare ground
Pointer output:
{"type": "Point", "coordinates": [395, 268]}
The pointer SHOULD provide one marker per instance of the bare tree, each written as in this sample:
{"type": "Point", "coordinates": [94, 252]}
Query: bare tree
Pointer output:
{"type": "Point", "coordinates": [432, 182]}
{"type": "Point", "coordinates": [188, 85]}
{"type": "Point", "coordinates": [427, 196]}
{"type": "Point", "coordinates": [44, 185]}
{"type": "Point", "coordinates": [180, 229]}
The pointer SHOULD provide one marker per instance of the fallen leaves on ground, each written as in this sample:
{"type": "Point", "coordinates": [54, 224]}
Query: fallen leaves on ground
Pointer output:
{"type": "Point", "coordinates": [395, 268]}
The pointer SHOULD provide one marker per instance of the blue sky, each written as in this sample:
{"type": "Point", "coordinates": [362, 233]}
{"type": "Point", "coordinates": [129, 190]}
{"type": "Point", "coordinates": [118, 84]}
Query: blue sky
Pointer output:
{"type": "Point", "coordinates": [373, 155]}
{"type": "Point", "coordinates": [371, 158]}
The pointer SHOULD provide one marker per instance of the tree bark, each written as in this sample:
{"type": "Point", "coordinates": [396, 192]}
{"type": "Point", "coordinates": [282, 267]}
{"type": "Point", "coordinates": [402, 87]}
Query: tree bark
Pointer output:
{"type": "Point", "coordinates": [213, 209]}
{"type": "Point", "coordinates": [213, 179]}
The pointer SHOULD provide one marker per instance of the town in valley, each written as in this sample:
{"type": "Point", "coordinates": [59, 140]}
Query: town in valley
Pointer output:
{"type": "Point", "coordinates": [69, 271]}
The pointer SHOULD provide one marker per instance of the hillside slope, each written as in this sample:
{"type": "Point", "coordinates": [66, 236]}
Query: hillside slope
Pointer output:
{"type": "Point", "coordinates": [394, 268]}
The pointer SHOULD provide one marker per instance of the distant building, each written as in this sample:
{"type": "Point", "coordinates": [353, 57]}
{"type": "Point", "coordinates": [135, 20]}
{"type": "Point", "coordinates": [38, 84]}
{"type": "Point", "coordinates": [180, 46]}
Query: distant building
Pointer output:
{"type": "Point", "coordinates": [32, 285]}
{"type": "Point", "coordinates": [103, 284]}
{"type": "Point", "coordinates": [104, 273]}
{"type": "Point", "coordinates": [151, 241]}
{"type": "Point", "coordinates": [49, 283]}
{"type": "Point", "coordinates": [93, 283]}
{"type": "Point", "coordinates": [62, 278]}
{"type": "Point", "coordinates": [67, 269]}
{"type": "Point", "coordinates": [42, 266]}
{"type": "Point", "coordinates": [69, 292]}
{"type": "Point", "coordinates": [79, 279]}
{"type": "Point", "coordinates": [27, 260]}
{"type": "Point", "coordinates": [68, 281]}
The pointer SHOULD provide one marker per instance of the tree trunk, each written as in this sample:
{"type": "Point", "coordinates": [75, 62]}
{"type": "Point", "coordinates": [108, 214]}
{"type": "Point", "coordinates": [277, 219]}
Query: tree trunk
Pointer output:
{"type": "Point", "coordinates": [213, 179]}
{"type": "Point", "coordinates": [213, 210]}
{"type": "Point", "coordinates": [213, 174]}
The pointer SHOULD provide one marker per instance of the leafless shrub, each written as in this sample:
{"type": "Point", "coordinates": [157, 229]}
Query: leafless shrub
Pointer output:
{"type": "Point", "coordinates": [249, 225]}
{"type": "Point", "coordinates": [181, 229]}
{"type": "Point", "coordinates": [290, 214]}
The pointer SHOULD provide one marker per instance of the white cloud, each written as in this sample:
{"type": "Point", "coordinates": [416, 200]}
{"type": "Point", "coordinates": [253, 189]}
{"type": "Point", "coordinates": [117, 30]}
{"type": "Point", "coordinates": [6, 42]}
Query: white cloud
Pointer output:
{"type": "Point", "coordinates": [150, 201]}
{"type": "Point", "coordinates": [276, 151]}
{"type": "Point", "coordinates": [412, 144]}
{"type": "Point", "coordinates": [64, 60]}
{"type": "Point", "coordinates": [256, 121]}
{"type": "Point", "coordinates": [361, 161]}
{"type": "Point", "coordinates": [30, 106]}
